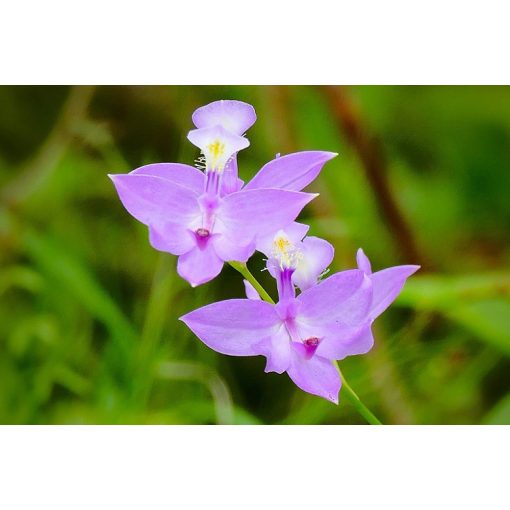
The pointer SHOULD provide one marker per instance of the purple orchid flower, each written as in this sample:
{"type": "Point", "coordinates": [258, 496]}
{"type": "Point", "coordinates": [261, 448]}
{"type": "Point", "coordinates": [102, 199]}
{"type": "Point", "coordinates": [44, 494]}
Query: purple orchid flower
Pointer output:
{"type": "Point", "coordinates": [329, 320]}
{"type": "Point", "coordinates": [292, 172]}
{"type": "Point", "coordinates": [299, 335]}
{"type": "Point", "coordinates": [234, 116]}
{"type": "Point", "coordinates": [315, 254]}
{"type": "Point", "coordinates": [190, 216]}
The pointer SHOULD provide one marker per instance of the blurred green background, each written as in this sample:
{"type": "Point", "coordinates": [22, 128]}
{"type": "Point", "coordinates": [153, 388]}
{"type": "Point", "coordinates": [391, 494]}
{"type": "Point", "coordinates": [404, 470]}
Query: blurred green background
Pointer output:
{"type": "Point", "coordinates": [88, 310]}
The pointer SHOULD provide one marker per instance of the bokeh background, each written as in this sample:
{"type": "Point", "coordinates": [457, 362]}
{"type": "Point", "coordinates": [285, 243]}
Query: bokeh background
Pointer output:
{"type": "Point", "coordinates": [88, 310]}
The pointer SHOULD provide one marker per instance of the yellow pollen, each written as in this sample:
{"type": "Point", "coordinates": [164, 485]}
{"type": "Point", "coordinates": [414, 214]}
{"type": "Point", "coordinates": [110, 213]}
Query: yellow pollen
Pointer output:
{"type": "Point", "coordinates": [216, 149]}
{"type": "Point", "coordinates": [282, 244]}
{"type": "Point", "coordinates": [287, 255]}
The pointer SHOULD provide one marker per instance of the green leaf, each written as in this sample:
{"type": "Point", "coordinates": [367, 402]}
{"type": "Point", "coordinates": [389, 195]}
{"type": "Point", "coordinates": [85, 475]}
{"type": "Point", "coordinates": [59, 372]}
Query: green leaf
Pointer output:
{"type": "Point", "coordinates": [478, 303]}
{"type": "Point", "coordinates": [488, 319]}
{"type": "Point", "coordinates": [77, 282]}
{"type": "Point", "coordinates": [500, 413]}
{"type": "Point", "coordinates": [434, 292]}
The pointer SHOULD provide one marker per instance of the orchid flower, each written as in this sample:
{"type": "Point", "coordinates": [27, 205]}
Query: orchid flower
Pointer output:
{"type": "Point", "coordinates": [315, 254]}
{"type": "Point", "coordinates": [234, 116]}
{"type": "Point", "coordinates": [300, 335]}
{"type": "Point", "coordinates": [209, 218]}
{"type": "Point", "coordinates": [190, 216]}
{"type": "Point", "coordinates": [303, 334]}
{"type": "Point", "coordinates": [292, 172]}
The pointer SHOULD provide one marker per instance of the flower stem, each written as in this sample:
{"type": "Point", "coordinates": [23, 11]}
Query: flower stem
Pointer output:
{"type": "Point", "coordinates": [353, 398]}
{"type": "Point", "coordinates": [243, 269]}
{"type": "Point", "coordinates": [348, 392]}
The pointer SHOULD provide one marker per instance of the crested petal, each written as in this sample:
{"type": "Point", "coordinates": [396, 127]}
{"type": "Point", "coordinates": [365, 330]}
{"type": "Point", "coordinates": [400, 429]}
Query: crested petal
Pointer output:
{"type": "Point", "coordinates": [199, 265]}
{"type": "Point", "coordinates": [237, 327]}
{"type": "Point", "coordinates": [248, 214]}
{"type": "Point", "coordinates": [344, 297]}
{"type": "Point", "coordinates": [234, 116]}
{"type": "Point", "coordinates": [387, 286]}
{"type": "Point", "coordinates": [217, 144]}
{"type": "Point", "coordinates": [250, 291]}
{"type": "Point", "coordinates": [316, 375]}
{"type": "Point", "coordinates": [317, 255]}
{"type": "Point", "coordinates": [153, 200]}
{"type": "Point", "coordinates": [291, 172]}
{"type": "Point", "coordinates": [184, 175]}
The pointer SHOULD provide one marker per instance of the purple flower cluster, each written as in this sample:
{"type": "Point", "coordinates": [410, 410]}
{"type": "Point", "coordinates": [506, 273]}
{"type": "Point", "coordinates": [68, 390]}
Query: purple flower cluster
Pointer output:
{"type": "Point", "coordinates": [212, 217]}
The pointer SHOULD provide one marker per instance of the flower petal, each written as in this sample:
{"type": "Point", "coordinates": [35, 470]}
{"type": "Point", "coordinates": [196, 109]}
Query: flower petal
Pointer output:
{"type": "Point", "coordinates": [363, 262]}
{"type": "Point", "coordinates": [199, 265]}
{"type": "Point", "coordinates": [291, 172]}
{"type": "Point", "coordinates": [217, 144]}
{"type": "Point", "coordinates": [153, 200]}
{"type": "Point", "coordinates": [234, 116]}
{"type": "Point", "coordinates": [247, 214]}
{"type": "Point", "coordinates": [184, 175]}
{"type": "Point", "coordinates": [295, 232]}
{"type": "Point", "coordinates": [317, 255]}
{"type": "Point", "coordinates": [230, 182]}
{"type": "Point", "coordinates": [250, 291]}
{"type": "Point", "coordinates": [172, 238]}
{"type": "Point", "coordinates": [317, 376]}
{"type": "Point", "coordinates": [387, 286]}
{"type": "Point", "coordinates": [228, 249]}
{"type": "Point", "coordinates": [340, 342]}
{"type": "Point", "coordinates": [344, 297]}
{"type": "Point", "coordinates": [279, 352]}
{"type": "Point", "coordinates": [237, 327]}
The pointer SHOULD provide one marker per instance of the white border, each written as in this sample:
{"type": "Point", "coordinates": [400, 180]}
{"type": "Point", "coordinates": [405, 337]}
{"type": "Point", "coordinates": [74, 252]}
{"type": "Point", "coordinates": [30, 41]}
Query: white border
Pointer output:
{"type": "Point", "coordinates": [254, 467]}
{"type": "Point", "coordinates": [263, 42]}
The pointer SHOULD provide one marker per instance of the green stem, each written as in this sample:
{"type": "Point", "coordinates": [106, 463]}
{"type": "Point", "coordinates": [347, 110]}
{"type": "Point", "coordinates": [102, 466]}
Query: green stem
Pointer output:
{"type": "Point", "coordinates": [241, 267]}
{"type": "Point", "coordinates": [347, 391]}
{"type": "Point", "coordinates": [353, 398]}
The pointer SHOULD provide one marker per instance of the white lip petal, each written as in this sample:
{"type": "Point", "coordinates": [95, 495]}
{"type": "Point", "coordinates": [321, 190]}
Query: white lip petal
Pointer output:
{"type": "Point", "coordinates": [217, 145]}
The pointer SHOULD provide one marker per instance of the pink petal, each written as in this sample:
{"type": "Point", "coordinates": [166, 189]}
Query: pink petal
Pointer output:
{"type": "Point", "coordinates": [247, 214]}
{"type": "Point", "coordinates": [387, 286]}
{"type": "Point", "coordinates": [199, 265]}
{"type": "Point", "coordinates": [237, 327]}
{"type": "Point", "coordinates": [363, 262]}
{"type": "Point", "coordinates": [172, 238]}
{"type": "Point", "coordinates": [234, 116]}
{"type": "Point", "coordinates": [344, 297]}
{"type": "Point", "coordinates": [154, 200]}
{"type": "Point", "coordinates": [184, 175]}
{"type": "Point", "coordinates": [317, 255]}
{"type": "Point", "coordinates": [291, 172]}
{"type": "Point", "coordinates": [340, 342]}
{"type": "Point", "coordinates": [278, 353]}
{"type": "Point", "coordinates": [230, 182]}
{"type": "Point", "coordinates": [229, 249]}
{"type": "Point", "coordinates": [317, 376]}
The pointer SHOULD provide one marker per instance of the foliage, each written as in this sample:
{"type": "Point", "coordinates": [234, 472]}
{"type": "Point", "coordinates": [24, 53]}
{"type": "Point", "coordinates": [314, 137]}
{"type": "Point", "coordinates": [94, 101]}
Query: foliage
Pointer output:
{"type": "Point", "coordinates": [88, 310]}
